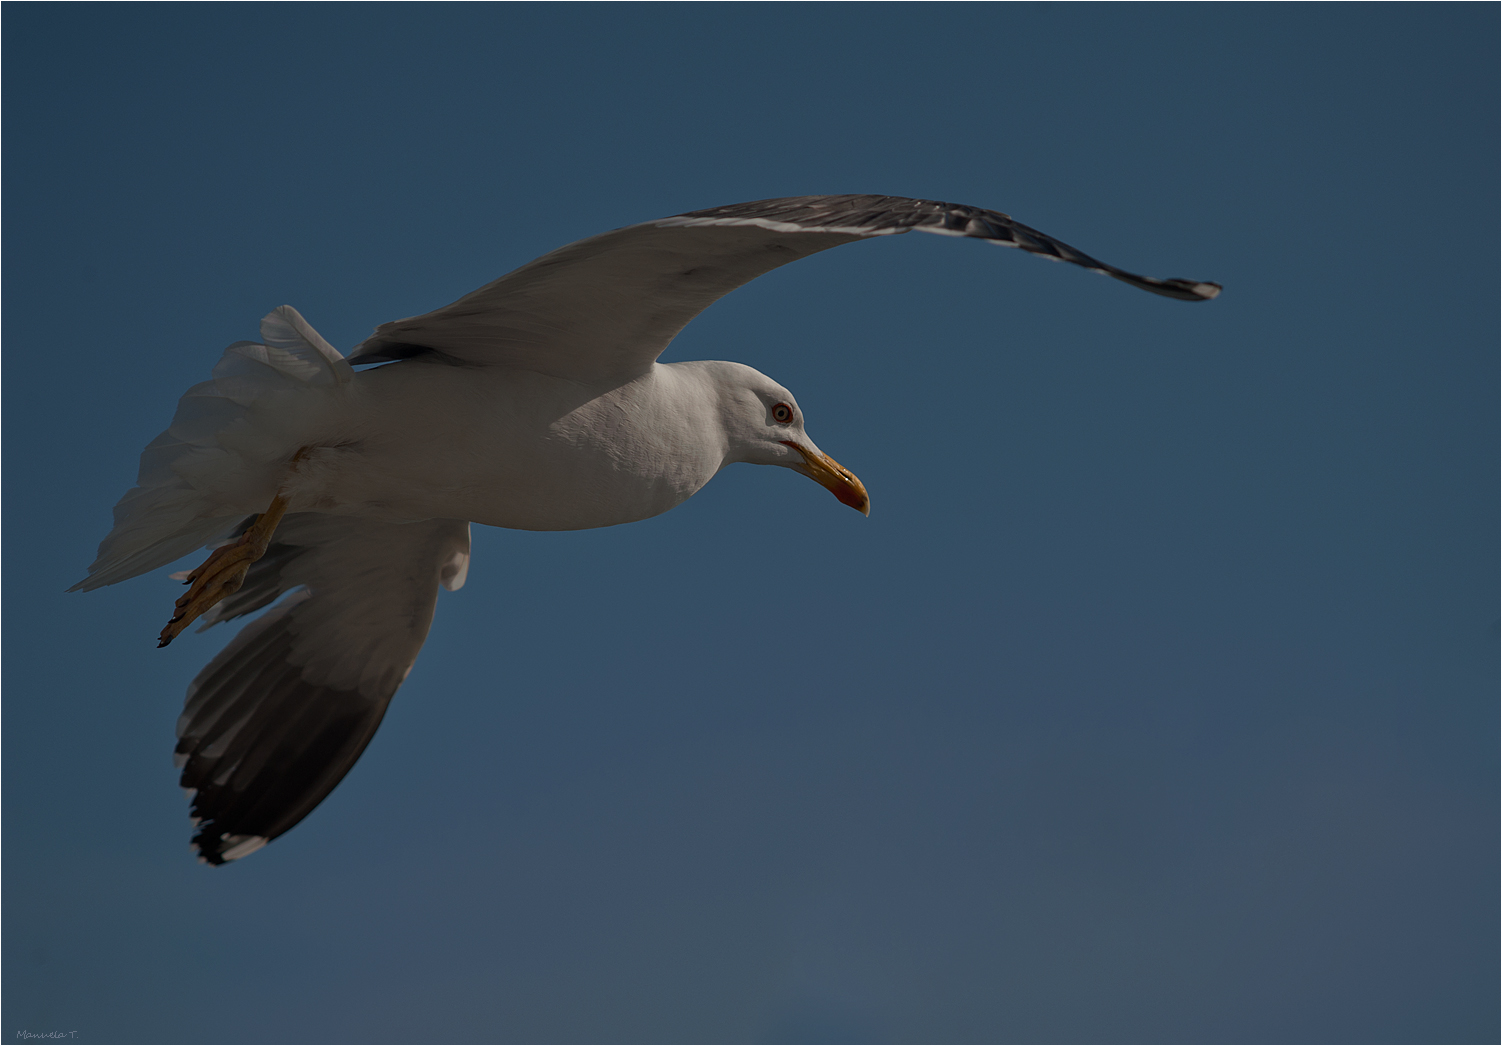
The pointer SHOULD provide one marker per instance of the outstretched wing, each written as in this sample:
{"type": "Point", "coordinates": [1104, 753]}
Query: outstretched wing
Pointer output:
{"type": "Point", "coordinates": [274, 722]}
{"type": "Point", "coordinates": [609, 305]}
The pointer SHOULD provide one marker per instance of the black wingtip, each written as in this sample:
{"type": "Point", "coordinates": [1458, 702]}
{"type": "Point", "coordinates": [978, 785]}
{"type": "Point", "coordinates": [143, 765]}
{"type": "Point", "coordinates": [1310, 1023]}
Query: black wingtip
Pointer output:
{"type": "Point", "coordinates": [1195, 291]}
{"type": "Point", "coordinates": [260, 746]}
{"type": "Point", "coordinates": [1183, 290]}
{"type": "Point", "coordinates": [215, 849]}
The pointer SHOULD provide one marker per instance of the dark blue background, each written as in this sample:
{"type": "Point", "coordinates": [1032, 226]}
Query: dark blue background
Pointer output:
{"type": "Point", "coordinates": [1153, 703]}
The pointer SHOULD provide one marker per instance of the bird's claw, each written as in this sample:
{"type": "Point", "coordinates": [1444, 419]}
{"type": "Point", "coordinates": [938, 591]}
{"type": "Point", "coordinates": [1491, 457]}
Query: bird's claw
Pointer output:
{"type": "Point", "coordinates": [220, 576]}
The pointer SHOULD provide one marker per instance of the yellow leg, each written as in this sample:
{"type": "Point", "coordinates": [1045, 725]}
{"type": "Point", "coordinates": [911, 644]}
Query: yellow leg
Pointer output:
{"type": "Point", "coordinates": [222, 574]}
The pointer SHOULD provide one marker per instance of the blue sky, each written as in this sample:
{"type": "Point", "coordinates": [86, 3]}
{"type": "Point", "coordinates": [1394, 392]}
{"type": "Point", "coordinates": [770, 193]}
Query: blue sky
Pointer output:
{"type": "Point", "coordinates": [1153, 703]}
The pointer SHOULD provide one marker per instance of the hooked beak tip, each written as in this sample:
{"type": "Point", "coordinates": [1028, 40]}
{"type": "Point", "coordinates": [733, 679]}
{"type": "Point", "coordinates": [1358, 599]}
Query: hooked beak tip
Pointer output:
{"type": "Point", "coordinates": [835, 478]}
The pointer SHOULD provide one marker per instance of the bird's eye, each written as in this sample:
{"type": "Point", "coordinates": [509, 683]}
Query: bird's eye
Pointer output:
{"type": "Point", "coordinates": [782, 413]}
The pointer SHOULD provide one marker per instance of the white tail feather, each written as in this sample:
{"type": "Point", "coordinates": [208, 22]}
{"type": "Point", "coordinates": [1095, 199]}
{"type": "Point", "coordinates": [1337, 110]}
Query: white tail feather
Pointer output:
{"type": "Point", "coordinates": [168, 513]}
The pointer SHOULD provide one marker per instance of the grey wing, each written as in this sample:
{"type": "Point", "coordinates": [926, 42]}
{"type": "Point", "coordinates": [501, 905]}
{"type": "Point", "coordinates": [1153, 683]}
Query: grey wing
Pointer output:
{"type": "Point", "coordinates": [610, 304]}
{"type": "Point", "coordinates": [278, 718]}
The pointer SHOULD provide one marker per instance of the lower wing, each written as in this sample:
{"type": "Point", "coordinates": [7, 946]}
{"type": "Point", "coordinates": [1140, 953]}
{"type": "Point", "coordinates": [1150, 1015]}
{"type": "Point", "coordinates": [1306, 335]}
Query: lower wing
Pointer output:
{"type": "Point", "coordinates": [277, 719]}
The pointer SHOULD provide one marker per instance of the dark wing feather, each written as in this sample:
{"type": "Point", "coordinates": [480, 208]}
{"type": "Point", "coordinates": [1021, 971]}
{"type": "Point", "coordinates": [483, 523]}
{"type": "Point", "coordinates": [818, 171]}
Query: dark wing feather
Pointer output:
{"type": "Point", "coordinates": [277, 719]}
{"type": "Point", "coordinates": [607, 306]}
{"type": "Point", "coordinates": [889, 215]}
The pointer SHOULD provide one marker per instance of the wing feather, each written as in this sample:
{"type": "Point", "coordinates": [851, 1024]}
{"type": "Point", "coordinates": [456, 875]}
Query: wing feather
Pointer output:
{"type": "Point", "coordinates": [276, 720]}
{"type": "Point", "coordinates": [607, 306]}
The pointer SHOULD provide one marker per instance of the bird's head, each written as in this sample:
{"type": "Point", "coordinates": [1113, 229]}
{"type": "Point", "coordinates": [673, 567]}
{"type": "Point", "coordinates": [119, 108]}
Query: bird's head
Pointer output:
{"type": "Point", "coordinates": [765, 427]}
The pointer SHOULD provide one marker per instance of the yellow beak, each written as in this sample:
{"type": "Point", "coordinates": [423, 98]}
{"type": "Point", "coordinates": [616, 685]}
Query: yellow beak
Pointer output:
{"type": "Point", "coordinates": [834, 477]}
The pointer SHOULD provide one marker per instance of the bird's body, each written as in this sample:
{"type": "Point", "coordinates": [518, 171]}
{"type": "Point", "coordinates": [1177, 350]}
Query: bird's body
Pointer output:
{"type": "Point", "coordinates": [534, 403]}
{"type": "Point", "coordinates": [516, 448]}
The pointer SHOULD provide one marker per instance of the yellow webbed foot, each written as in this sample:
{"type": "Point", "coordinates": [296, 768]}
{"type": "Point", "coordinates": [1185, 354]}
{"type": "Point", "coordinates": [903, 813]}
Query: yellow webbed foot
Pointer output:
{"type": "Point", "coordinates": [222, 574]}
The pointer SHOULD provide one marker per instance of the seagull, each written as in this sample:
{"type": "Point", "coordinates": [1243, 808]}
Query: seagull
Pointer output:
{"type": "Point", "coordinates": [342, 499]}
